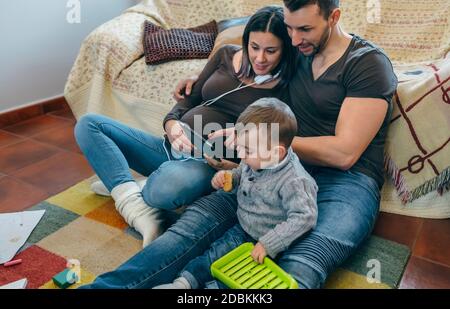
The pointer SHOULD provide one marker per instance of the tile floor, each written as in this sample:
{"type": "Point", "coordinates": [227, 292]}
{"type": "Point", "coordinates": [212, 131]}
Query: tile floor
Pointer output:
{"type": "Point", "coordinates": [39, 158]}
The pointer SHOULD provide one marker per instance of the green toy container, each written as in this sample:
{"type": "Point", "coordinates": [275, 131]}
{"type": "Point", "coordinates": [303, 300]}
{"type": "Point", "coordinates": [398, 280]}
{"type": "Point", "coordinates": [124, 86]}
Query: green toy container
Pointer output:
{"type": "Point", "coordinates": [238, 270]}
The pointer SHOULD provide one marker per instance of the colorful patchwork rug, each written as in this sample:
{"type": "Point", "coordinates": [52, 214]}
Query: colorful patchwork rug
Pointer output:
{"type": "Point", "coordinates": [83, 227]}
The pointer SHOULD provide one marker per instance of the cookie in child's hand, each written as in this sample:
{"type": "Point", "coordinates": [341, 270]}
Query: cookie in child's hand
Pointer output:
{"type": "Point", "coordinates": [228, 185]}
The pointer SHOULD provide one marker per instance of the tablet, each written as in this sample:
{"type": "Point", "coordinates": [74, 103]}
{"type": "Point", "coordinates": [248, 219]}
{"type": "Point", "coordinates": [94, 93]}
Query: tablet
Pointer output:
{"type": "Point", "coordinates": [206, 146]}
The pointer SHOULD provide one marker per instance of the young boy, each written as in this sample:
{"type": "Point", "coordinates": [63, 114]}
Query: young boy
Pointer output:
{"type": "Point", "coordinates": [276, 196]}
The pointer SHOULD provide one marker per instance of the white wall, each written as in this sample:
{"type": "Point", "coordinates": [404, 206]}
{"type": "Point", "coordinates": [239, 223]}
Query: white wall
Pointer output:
{"type": "Point", "coordinates": [38, 46]}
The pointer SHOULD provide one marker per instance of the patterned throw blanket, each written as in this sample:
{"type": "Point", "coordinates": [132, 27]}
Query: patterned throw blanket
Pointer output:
{"type": "Point", "coordinates": [418, 144]}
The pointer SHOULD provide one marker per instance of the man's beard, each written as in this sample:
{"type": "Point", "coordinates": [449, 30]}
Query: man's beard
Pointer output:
{"type": "Point", "coordinates": [322, 43]}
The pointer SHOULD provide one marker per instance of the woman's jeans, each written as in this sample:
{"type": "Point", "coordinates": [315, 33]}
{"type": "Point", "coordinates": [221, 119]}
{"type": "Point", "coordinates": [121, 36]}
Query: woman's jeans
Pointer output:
{"type": "Point", "coordinates": [112, 148]}
{"type": "Point", "coordinates": [348, 204]}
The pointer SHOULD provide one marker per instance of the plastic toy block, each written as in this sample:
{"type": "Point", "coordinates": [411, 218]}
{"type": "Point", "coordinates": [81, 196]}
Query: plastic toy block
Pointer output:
{"type": "Point", "coordinates": [65, 278]}
{"type": "Point", "coordinates": [238, 270]}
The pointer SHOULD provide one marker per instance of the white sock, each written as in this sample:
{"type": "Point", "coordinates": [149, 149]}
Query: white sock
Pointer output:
{"type": "Point", "coordinates": [179, 283]}
{"type": "Point", "coordinates": [141, 182]}
{"type": "Point", "coordinates": [99, 188]}
{"type": "Point", "coordinates": [143, 218]}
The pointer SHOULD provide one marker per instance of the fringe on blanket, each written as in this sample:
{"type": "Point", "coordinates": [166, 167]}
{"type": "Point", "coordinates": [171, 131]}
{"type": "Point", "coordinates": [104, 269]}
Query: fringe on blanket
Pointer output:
{"type": "Point", "coordinates": [441, 183]}
{"type": "Point", "coordinates": [444, 189]}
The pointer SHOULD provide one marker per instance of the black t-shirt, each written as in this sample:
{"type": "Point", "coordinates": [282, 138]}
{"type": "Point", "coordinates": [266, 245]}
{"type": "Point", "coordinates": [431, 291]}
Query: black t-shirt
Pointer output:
{"type": "Point", "coordinates": [363, 71]}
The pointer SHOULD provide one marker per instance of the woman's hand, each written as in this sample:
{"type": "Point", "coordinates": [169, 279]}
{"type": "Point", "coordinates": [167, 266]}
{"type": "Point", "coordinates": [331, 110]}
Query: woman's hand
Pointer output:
{"type": "Point", "coordinates": [177, 137]}
{"type": "Point", "coordinates": [259, 253]}
{"type": "Point", "coordinates": [220, 165]}
{"type": "Point", "coordinates": [184, 86]}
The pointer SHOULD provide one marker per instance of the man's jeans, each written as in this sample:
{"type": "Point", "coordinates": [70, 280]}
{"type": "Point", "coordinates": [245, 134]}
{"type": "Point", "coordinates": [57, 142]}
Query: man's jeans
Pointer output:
{"type": "Point", "coordinates": [348, 204]}
{"type": "Point", "coordinates": [112, 148]}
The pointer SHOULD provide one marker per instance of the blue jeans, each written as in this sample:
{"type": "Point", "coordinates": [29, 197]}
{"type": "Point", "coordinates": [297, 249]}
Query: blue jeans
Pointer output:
{"type": "Point", "coordinates": [348, 204]}
{"type": "Point", "coordinates": [198, 271]}
{"type": "Point", "coordinates": [112, 148]}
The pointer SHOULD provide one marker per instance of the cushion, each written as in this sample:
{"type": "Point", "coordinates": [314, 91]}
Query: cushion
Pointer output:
{"type": "Point", "coordinates": [418, 141]}
{"type": "Point", "coordinates": [230, 32]}
{"type": "Point", "coordinates": [161, 45]}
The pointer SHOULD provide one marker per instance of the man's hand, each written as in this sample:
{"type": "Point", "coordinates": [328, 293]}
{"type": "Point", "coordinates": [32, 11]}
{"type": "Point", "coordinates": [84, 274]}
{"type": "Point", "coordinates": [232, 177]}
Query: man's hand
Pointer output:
{"type": "Point", "coordinates": [218, 180]}
{"type": "Point", "coordinates": [177, 137]}
{"type": "Point", "coordinates": [259, 253]}
{"type": "Point", "coordinates": [184, 87]}
{"type": "Point", "coordinates": [229, 143]}
{"type": "Point", "coordinates": [230, 133]}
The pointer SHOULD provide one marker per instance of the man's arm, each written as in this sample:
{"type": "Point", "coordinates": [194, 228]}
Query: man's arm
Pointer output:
{"type": "Point", "coordinates": [358, 122]}
{"type": "Point", "coordinates": [184, 87]}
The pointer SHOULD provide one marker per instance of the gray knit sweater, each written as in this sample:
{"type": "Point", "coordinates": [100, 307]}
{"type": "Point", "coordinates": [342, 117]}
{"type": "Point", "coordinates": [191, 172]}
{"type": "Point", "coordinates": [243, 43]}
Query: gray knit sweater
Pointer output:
{"type": "Point", "coordinates": [276, 205]}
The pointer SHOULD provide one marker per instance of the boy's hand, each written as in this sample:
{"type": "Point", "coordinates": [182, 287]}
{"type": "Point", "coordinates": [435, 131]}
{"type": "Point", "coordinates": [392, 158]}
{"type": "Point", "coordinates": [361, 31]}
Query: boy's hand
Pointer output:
{"type": "Point", "coordinates": [218, 180]}
{"type": "Point", "coordinates": [259, 253]}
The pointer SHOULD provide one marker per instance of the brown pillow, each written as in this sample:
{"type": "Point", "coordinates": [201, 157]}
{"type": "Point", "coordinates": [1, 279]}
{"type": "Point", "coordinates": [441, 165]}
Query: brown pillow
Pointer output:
{"type": "Point", "coordinates": [230, 32]}
{"type": "Point", "coordinates": [162, 45]}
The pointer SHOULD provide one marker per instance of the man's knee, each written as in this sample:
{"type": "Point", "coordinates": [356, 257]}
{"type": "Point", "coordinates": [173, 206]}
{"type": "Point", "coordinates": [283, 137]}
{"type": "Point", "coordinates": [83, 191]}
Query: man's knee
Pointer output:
{"type": "Point", "coordinates": [306, 276]}
{"type": "Point", "coordinates": [312, 258]}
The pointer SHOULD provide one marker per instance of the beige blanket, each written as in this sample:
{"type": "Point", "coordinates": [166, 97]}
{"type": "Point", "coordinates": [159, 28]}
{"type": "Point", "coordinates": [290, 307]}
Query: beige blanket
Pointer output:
{"type": "Point", "coordinates": [409, 31]}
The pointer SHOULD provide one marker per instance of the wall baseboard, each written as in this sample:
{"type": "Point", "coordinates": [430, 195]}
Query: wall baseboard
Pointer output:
{"type": "Point", "coordinates": [24, 113]}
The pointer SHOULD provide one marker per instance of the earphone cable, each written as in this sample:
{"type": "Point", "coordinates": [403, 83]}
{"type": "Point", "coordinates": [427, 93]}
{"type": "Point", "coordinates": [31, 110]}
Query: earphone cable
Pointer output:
{"type": "Point", "coordinates": [212, 101]}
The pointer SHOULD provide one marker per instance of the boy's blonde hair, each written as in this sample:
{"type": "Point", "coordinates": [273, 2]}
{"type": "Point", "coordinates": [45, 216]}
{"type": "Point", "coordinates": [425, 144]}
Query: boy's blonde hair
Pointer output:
{"type": "Point", "coordinates": [271, 111]}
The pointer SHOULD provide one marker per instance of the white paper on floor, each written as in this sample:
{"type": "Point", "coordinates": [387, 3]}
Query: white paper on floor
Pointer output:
{"type": "Point", "coordinates": [19, 284]}
{"type": "Point", "coordinates": [15, 228]}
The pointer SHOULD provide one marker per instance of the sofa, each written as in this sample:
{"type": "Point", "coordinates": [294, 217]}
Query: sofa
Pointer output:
{"type": "Point", "coordinates": [110, 77]}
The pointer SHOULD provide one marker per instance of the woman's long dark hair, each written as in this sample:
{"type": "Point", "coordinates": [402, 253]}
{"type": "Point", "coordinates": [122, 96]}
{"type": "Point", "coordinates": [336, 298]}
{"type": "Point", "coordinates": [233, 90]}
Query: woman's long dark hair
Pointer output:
{"type": "Point", "coordinates": [269, 19]}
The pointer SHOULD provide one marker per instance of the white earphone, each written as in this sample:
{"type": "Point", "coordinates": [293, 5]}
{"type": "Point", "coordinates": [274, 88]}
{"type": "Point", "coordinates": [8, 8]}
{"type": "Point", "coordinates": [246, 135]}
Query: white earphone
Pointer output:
{"type": "Point", "coordinates": [259, 80]}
